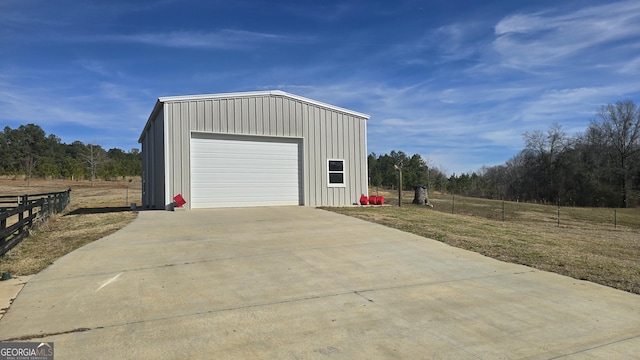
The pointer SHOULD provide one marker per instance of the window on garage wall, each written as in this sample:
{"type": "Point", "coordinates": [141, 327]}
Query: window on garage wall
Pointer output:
{"type": "Point", "coordinates": [335, 169]}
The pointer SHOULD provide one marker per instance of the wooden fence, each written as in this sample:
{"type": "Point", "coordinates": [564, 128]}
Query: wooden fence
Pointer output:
{"type": "Point", "coordinates": [18, 214]}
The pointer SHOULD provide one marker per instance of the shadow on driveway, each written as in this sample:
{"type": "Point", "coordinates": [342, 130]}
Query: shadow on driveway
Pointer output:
{"type": "Point", "coordinates": [100, 210]}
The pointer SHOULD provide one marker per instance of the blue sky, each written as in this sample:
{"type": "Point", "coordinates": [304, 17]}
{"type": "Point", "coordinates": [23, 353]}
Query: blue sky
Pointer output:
{"type": "Point", "coordinates": [458, 82]}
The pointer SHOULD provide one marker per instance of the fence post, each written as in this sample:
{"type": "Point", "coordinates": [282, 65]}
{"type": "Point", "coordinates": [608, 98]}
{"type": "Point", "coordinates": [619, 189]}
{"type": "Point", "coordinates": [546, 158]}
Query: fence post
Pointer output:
{"type": "Point", "coordinates": [453, 204]}
{"type": "Point", "coordinates": [21, 208]}
{"type": "Point", "coordinates": [615, 218]}
{"type": "Point", "coordinates": [30, 215]}
{"type": "Point", "coordinates": [23, 202]}
{"type": "Point", "coordinates": [400, 186]}
{"type": "Point", "coordinates": [3, 225]}
{"type": "Point", "coordinates": [502, 209]}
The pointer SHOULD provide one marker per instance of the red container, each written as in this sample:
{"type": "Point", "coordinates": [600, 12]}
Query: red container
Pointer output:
{"type": "Point", "coordinates": [373, 199]}
{"type": "Point", "coordinates": [364, 200]}
{"type": "Point", "coordinates": [380, 200]}
{"type": "Point", "coordinates": [179, 200]}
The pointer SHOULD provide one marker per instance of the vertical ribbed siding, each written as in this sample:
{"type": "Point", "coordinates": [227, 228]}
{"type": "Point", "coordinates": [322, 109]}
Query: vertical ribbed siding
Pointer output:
{"type": "Point", "coordinates": [326, 134]}
{"type": "Point", "coordinates": [159, 161]}
{"type": "Point", "coordinates": [153, 163]}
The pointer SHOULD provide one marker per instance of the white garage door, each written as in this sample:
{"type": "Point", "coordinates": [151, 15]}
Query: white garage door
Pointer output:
{"type": "Point", "coordinates": [243, 172]}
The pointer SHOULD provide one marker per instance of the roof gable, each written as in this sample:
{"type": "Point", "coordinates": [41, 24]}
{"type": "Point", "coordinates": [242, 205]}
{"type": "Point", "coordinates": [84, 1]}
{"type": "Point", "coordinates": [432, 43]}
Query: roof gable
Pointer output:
{"type": "Point", "coordinates": [261, 93]}
{"type": "Point", "coordinates": [167, 99]}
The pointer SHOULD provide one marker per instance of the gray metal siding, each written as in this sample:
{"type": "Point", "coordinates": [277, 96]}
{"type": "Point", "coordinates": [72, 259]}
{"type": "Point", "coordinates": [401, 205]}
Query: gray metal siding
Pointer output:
{"type": "Point", "coordinates": [159, 161]}
{"type": "Point", "coordinates": [153, 164]}
{"type": "Point", "coordinates": [326, 134]}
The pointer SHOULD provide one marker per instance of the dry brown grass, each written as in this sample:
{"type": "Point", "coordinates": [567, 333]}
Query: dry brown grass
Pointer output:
{"type": "Point", "coordinates": [95, 211]}
{"type": "Point", "coordinates": [585, 246]}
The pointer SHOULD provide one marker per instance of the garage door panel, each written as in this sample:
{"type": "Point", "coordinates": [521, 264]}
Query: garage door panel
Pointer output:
{"type": "Point", "coordinates": [247, 166]}
{"type": "Point", "coordinates": [227, 172]}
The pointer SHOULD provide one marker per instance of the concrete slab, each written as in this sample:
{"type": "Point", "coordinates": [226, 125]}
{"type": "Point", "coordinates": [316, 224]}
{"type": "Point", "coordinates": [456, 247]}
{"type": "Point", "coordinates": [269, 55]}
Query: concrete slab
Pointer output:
{"type": "Point", "coordinates": [9, 290]}
{"type": "Point", "coordinates": [297, 282]}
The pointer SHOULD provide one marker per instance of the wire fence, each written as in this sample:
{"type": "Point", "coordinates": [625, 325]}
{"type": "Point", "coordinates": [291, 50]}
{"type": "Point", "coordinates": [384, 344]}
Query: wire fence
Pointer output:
{"type": "Point", "coordinates": [524, 212]}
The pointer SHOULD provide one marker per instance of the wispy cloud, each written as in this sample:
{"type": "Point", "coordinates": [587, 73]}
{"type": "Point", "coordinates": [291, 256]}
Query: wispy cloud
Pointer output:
{"type": "Point", "coordinates": [323, 11]}
{"type": "Point", "coordinates": [544, 39]}
{"type": "Point", "coordinates": [458, 40]}
{"type": "Point", "coordinates": [220, 39]}
{"type": "Point", "coordinates": [98, 110]}
{"type": "Point", "coordinates": [94, 66]}
{"type": "Point", "coordinates": [631, 67]}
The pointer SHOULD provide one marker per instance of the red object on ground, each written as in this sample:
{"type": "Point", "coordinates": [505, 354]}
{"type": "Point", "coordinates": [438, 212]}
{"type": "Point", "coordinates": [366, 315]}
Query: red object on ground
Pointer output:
{"type": "Point", "coordinates": [364, 200]}
{"type": "Point", "coordinates": [380, 200]}
{"type": "Point", "coordinates": [179, 200]}
{"type": "Point", "coordinates": [373, 199]}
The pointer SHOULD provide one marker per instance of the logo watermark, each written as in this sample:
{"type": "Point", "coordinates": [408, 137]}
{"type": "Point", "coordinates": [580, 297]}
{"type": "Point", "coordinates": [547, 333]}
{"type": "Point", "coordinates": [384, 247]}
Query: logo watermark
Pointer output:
{"type": "Point", "coordinates": [26, 351]}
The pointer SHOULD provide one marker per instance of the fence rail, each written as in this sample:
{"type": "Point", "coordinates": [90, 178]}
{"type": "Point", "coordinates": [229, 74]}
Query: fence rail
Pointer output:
{"type": "Point", "coordinates": [18, 214]}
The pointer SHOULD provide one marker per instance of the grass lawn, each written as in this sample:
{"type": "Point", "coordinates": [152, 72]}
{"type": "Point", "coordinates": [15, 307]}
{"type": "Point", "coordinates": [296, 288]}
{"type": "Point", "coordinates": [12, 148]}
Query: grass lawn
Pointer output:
{"type": "Point", "coordinates": [588, 244]}
{"type": "Point", "coordinates": [94, 212]}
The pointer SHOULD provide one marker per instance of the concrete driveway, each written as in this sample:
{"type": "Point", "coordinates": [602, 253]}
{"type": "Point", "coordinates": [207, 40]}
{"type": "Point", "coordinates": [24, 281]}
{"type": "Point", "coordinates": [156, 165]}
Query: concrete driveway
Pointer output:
{"type": "Point", "coordinates": [299, 283]}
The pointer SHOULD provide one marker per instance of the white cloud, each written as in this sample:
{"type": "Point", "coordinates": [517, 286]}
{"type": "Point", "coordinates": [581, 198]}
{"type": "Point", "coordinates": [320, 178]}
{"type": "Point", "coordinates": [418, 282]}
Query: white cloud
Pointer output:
{"type": "Point", "coordinates": [220, 39]}
{"type": "Point", "coordinates": [112, 113]}
{"type": "Point", "coordinates": [631, 67]}
{"type": "Point", "coordinates": [97, 67]}
{"type": "Point", "coordinates": [457, 41]}
{"type": "Point", "coordinates": [509, 137]}
{"type": "Point", "coordinates": [543, 39]}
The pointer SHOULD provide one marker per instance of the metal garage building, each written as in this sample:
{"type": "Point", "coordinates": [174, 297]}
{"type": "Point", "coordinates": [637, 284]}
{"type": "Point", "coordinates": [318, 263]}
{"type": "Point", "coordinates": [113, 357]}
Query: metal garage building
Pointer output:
{"type": "Point", "coordinates": [252, 149]}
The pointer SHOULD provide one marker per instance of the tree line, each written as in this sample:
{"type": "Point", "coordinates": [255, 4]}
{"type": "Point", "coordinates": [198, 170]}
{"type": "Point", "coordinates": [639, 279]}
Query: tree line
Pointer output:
{"type": "Point", "coordinates": [29, 151]}
{"type": "Point", "coordinates": [600, 167]}
{"type": "Point", "coordinates": [383, 171]}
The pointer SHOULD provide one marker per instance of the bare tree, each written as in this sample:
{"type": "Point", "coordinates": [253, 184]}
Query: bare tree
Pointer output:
{"type": "Point", "coordinates": [29, 167]}
{"type": "Point", "coordinates": [619, 127]}
{"type": "Point", "coordinates": [94, 156]}
{"type": "Point", "coordinates": [546, 150]}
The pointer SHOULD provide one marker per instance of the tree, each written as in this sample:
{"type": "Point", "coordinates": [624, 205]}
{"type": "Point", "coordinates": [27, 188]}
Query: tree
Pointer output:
{"type": "Point", "coordinates": [375, 174]}
{"type": "Point", "coordinates": [94, 156]}
{"type": "Point", "coordinates": [382, 170]}
{"type": "Point", "coordinates": [619, 128]}
{"type": "Point", "coordinates": [29, 151]}
{"type": "Point", "coordinates": [26, 145]}
{"type": "Point", "coordinates": [416, 171]}
{"type": "Point", "coordinates": [544, 151]}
